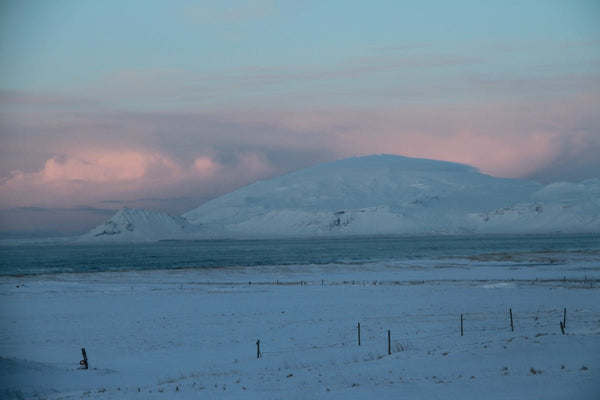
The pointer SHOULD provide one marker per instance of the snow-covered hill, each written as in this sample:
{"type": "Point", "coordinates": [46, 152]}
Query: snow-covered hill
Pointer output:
{"type": "Point", "coordinates": [382, 194]}
{"type": "Point", "coordinates": [559, 207]}
{"type": "Point", "coordinates": [131, 225]}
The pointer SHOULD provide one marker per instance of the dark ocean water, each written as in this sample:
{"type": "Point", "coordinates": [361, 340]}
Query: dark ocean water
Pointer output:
{"type": "Point", "coordinates": [61, 258]}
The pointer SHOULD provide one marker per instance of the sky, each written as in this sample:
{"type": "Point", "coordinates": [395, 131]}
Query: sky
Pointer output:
{"type": "Point", "coordinates": [164, 105]}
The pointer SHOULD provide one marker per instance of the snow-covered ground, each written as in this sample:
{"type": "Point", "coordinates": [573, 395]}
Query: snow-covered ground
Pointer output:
{"type": "Point", "coordinates": [187, 334]}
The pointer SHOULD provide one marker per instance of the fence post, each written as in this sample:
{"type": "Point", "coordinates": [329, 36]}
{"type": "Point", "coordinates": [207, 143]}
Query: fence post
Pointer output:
{"type": "Point", "coordinates": [258, 355]}
{"type": "Point", "coordinates": [84, 362]}
{"type": "Point", "coordinates": [389, 343]}
{"type": "Point", "coordinates": [359, 333]}
{"type": "Point", "coordinates": [562, 328]}
{"type": "Point", "coordinates": [512, 328]}
{"type": "Point", "coordinates": [461, 324]}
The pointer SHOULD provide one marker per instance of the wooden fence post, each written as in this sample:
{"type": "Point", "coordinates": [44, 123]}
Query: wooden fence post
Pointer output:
{"type": "Point", "coordinates": [258, 355]}
{"type": "Point", "coordinates": [461, 324]}
{"type": "Point", "coordinates": [512, 328]}
{"type": "Point", "coordinates": [84, 362]}
{"type": "Point", "coordinates": [359, 333]}
{"type": "Point", "coordinates": [389, 343]}
{"type": "Point", "coordinates": [562, 328]}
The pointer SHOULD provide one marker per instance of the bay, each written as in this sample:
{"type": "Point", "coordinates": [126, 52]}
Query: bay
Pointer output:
{"type": "Point", "coordinates": [32, 259]}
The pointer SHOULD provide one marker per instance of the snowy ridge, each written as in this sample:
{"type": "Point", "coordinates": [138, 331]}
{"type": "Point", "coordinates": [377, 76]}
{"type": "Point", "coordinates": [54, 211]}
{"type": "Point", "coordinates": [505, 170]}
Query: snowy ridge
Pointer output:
{"type": "Point", "coordinates": [559, 207]}
{"type": "Point", "coordinates": [132, 225]}
{"type": "Point", "coordinates": [380, 194]}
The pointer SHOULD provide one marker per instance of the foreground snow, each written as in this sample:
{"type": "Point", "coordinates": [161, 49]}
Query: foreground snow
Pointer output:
{"type": "Point", "coordinates": [192, 333]}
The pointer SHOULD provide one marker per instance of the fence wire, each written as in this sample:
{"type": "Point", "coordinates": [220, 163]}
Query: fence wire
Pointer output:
{"type": "Point", "coordinates": [475, 325]}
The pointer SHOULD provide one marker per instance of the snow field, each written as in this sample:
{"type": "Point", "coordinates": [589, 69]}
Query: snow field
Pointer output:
{"type": "Point", "coordinates": [192, 333]}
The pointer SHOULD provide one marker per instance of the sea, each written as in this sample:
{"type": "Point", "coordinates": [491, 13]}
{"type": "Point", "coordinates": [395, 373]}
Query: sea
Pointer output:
{"type": "Point", "coordinates": [58, 258]}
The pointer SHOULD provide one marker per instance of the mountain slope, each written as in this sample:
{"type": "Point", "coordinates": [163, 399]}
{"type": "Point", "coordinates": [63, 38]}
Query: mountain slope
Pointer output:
{"type": "Point", "coordinates": [131, 225]}
{"type": "Point", "coordinates": [366, 195]}
{"type": "Point", "coordinates": [559, 207]}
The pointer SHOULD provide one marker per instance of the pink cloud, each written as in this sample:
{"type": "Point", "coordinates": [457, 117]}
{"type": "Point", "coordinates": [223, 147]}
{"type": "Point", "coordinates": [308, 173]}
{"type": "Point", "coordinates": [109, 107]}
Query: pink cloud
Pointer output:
{"type": "Point", "coordinates": [107, 167]}
{"type": "Point", "coordinates": [505, 157]}
{"type": "Point", "coordinates": [205, 166]}
{"type": "Point", "coordinates": [255, 164]}
{"type": "Point", "coordinates": [86, 176]}
{"type": "Point", "coordinates": [99, 166]}
{"type": "Point", "coordinates": [89, 176]}
{"type": "Point", "coordinates": [502, 139]}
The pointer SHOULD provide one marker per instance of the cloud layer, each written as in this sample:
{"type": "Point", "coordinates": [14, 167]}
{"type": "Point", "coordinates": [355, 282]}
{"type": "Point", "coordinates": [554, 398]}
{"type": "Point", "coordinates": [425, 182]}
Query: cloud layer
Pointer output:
{"type": "Point", "coordinates": [175, 161]}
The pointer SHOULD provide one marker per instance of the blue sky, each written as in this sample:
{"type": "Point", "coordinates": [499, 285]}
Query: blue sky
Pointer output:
{"type": "Point", "coordinates": [61, 46]}
{"type": "Point", "coordinates": [196, 98]}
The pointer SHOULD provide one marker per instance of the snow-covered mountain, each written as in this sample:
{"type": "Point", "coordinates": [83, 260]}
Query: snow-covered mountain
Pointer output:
{"type": "Point", "coordinates": [381, 194]}
{"type": "Point", "coordinates": [131, 225]}
{"type": "Point", "coordinates": [559, 207]}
